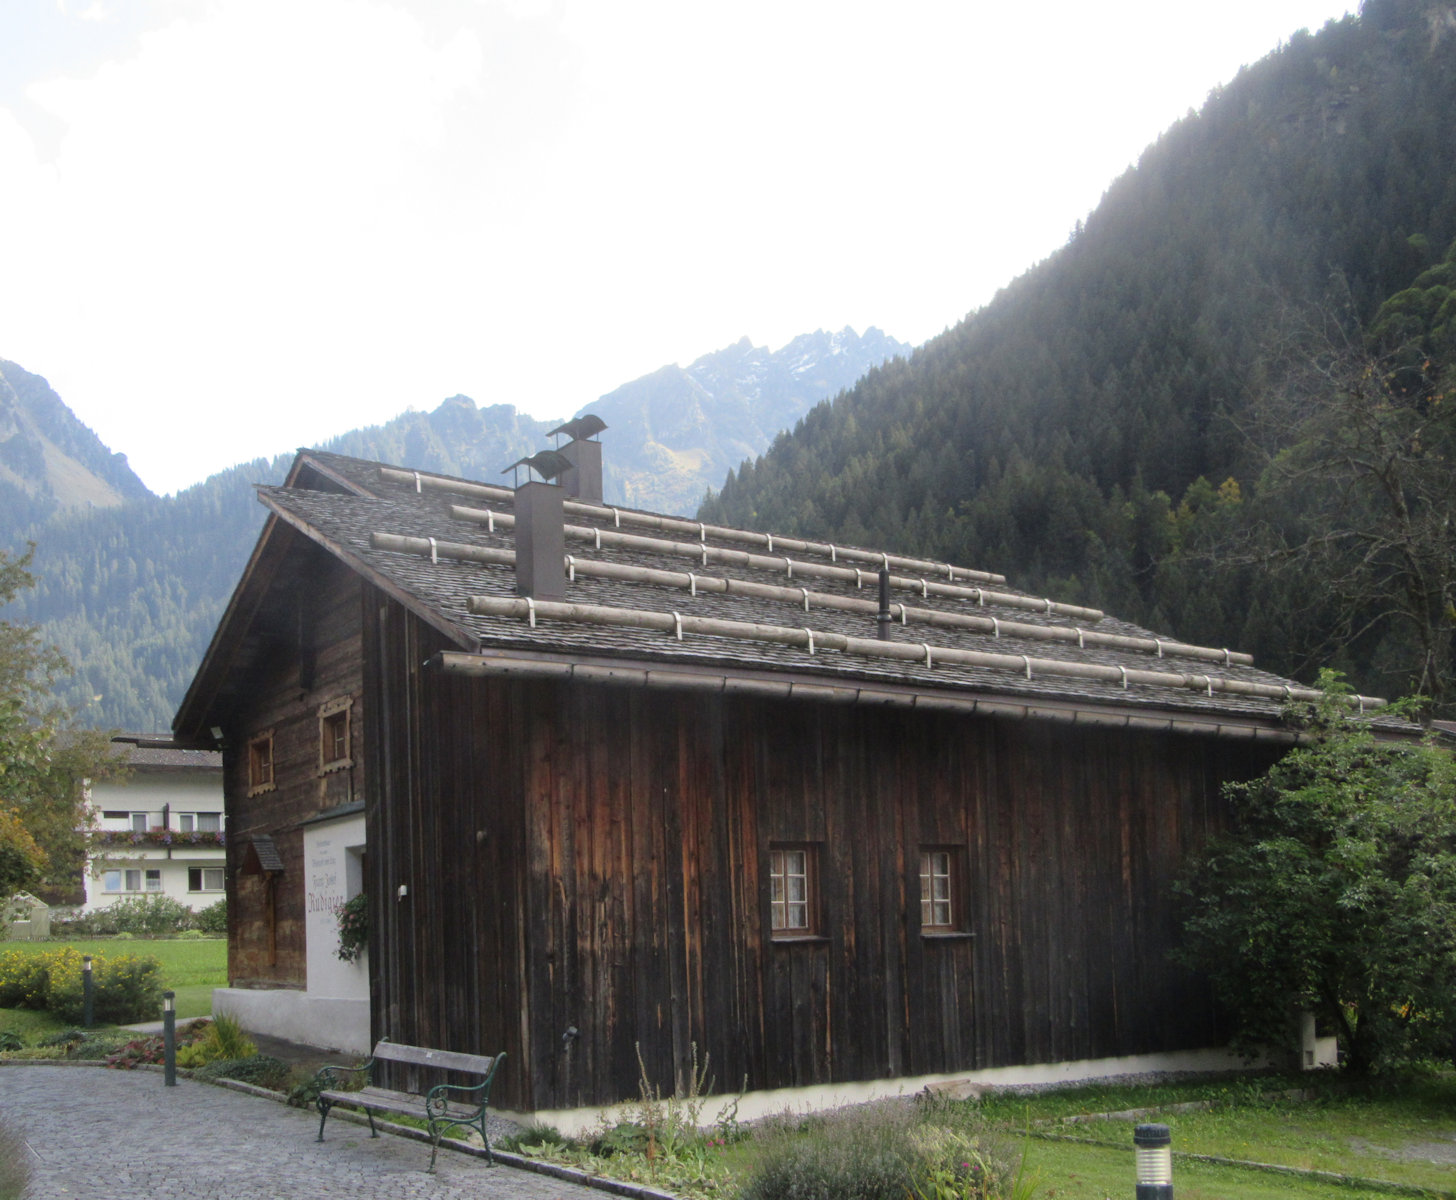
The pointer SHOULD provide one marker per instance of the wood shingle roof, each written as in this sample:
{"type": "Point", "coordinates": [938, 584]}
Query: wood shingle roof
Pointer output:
{"type": "Point", "coordinates": [653, 599]}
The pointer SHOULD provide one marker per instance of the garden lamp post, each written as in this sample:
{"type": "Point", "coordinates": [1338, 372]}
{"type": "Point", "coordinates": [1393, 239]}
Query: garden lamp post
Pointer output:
{"type": "Point", "coordinates": [88, 993]}
{"type": "Point", "coordinates": [169, 1039]}
{"type": "Point", "coordinates": [1154, 1162]}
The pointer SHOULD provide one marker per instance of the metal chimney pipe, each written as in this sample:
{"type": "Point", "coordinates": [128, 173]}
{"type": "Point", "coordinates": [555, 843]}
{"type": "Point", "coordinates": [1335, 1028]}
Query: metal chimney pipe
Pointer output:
{"type": "Point", "coordinates": [540, 541]}
{"type": "Point", "coordinates": [583, 479]}
{"type": "Point", "coordinates": [882, 618]}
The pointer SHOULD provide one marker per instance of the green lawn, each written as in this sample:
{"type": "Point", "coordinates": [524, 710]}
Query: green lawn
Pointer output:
{"type": "Point", "coordinates": [191, 967]}
{"type": "Point", "coordinates": [1374, 1133]}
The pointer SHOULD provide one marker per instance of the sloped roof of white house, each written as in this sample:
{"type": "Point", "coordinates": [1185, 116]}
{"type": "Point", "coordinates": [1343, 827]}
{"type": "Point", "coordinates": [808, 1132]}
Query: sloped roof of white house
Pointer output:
{"type": "Point", "coordinates": [657, 600]}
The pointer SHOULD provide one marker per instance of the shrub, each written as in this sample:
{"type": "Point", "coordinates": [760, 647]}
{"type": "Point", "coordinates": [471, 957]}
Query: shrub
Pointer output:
{"type": "Point", "coordinates": [23, 978]}
{"type": "Point", "coordinates": [881, 1152]}
{"type": "Point", "coordinates": [260, 1070]}
{"type": "Point", "coordinates": [225, 1038]}
{"type": "Point", "coordinates": [535, 1136]}
{"type": "Point", "coordinates": [128, 917]}
{"type": "Point", "coordinates": [134, 1053]}
{"type": "Point", "coordinates": [213, 918]}
{"type": "Point", "coordinates": [150, 915]}
{"type": "Point", "coordinates": [125, 989]}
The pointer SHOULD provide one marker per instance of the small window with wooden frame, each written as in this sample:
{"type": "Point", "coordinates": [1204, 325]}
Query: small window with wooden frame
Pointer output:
{"type": "Point", "coordinates": [942, 902]}
{"type": "Point", "coordinates": [335, 735]}
{"type": "Point", "coordinates": [793, 900]}
{"type": "Point", "coordinates": [260, 763]}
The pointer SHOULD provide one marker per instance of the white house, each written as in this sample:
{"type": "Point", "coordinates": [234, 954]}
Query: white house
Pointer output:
{"type": "Point", "coordinates": [159, 830]}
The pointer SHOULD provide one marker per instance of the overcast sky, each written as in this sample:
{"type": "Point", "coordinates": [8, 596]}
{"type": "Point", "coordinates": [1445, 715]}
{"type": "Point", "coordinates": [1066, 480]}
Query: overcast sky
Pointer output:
{"type": "Point", "coordinates": [234, 227]}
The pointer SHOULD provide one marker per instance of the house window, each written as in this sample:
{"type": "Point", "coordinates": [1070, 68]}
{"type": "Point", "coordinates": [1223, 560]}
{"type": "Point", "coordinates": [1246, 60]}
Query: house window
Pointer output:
{"type": "Point", "coordinates": [122, 821]}
{"type": "Point", "coordinates": [791, 891]}
{"type": "Point", "coordinates": [260, 763]}
{"type": "Point", "coordinates": [199, 822]}
{"type": "Point", "coordinates": [940, 899]}
{"type": "Point", "coordinates": [204, 879]}
{"type": "Point", "coordinates": [112, 881]}
{"type": "Point", "coordinates": [334, 735]}
{"type": "Point", "coordinates": [134, 880]}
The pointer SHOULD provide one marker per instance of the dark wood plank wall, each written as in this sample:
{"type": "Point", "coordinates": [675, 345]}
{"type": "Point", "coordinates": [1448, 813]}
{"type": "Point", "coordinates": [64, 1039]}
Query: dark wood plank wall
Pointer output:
{"type": "Point", "coordinates": [595, 858]}
{"type": "Point", "coordinates": [311, 656]}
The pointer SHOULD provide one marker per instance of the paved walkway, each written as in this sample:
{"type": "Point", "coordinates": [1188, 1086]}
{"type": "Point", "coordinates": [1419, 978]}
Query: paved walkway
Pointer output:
{"type": "Point", "coordinates": [115, 1135]}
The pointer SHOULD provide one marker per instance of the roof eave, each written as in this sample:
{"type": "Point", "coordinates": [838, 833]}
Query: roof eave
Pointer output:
{"type": "Point", "coordinates": [505, 663]}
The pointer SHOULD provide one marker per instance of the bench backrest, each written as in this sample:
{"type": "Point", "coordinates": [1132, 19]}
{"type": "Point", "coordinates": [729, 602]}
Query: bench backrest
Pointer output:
{"type": "Point", "coordinates": [445, 1060]}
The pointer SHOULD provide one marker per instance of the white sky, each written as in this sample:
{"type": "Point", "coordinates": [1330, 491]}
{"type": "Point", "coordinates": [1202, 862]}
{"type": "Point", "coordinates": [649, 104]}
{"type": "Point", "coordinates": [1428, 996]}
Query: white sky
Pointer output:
{"type": "Point", "coordinates": [233, 227]}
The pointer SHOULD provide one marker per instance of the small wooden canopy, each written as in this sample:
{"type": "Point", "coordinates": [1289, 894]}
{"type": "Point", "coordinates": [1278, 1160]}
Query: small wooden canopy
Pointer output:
{"type": "Point", "coordinates": [262, 857]}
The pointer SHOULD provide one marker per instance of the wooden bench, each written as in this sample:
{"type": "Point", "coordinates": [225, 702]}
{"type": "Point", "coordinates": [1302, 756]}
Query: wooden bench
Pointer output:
{"type": "Point", "coordinates": [444, 1106]}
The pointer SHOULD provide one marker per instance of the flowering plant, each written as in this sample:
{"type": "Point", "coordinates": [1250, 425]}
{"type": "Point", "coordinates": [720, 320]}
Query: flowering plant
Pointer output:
{"type": "Point", "coordinates": [353, 916]}
{"type": "Point", "coordinates": [159, 837]}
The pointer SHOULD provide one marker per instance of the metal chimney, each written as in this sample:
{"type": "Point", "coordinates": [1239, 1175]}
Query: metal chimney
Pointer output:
{"type": "Point", "coordinates": [541, 541]}
{"type": "Point", "coordinates": [583, 478]}
{"type": "Point", "coordinates": [882, 618]}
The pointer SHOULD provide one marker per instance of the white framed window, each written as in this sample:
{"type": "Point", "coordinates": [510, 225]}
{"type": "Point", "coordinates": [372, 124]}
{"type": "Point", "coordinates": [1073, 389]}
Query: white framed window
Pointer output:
{"type": "Point", "coordinates": [205, 879]}
{"type": "Point", "coordinates": [793, 911]}
{"type": "Point", "coordinates": [941, 902]}
{"type": "Point", "coordinates": [111, 881]}
{"type": "Point", "coordinates": [135, 879]}
{"type": "Point", "coordinates": [201, 822]}
{"type": "Point", "coordinates": [124, 821]}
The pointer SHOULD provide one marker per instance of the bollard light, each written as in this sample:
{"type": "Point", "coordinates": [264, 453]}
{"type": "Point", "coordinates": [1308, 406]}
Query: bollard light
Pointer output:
{"type": "Point", "coordinates": [169, 1039]}
{"type": "Point", "coordinates": [88, 993]}
{"type": "Point", "coordinates": [1154, 1162]}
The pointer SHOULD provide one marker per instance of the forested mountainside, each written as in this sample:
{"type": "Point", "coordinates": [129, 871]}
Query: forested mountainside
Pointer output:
{"type": "Point", "coordinates": [49, 461]}
{"type": "Point", "coordinates": [130, 586]}
{"type": "Point", "coordinates": [1103, 429]}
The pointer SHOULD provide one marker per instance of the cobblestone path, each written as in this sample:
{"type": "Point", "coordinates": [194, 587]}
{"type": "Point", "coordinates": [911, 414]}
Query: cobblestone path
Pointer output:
{"type": "Point", "coordinates": [115, 1135]}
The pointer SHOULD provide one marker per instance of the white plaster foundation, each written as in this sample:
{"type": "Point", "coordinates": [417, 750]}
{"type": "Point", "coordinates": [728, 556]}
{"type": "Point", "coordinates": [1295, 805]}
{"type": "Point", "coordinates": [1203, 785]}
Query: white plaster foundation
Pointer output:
{"type": "Point", "coordinates": [296, 1016]}
{"type": "Point", "coordinates": [753, 1105]}
{"type": "Point", "coordinates": [333, 1011]}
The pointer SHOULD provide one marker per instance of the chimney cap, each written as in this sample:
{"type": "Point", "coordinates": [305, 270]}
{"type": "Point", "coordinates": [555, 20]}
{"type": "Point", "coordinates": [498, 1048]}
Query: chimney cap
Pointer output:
{"type": "Point", "coordinates": [579, 428]}
{"type": "Point", "coordinates": [546, 463]}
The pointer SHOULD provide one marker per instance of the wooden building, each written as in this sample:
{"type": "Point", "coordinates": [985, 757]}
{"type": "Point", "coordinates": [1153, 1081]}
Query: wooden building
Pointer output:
{"type": "Point", "coordinates": [613, 781]}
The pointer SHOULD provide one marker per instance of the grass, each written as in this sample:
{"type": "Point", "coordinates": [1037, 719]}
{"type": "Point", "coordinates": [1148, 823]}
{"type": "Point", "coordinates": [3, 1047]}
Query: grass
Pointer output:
{"type": "Point", "coordinates": [191, 967]}
{"type": "Point", "coordinates": [1360, 1131]}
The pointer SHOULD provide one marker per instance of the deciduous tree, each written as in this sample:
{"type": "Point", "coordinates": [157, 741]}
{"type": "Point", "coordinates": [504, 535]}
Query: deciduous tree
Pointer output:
{"type": "Point", "coordinates": [43, 757]}
{"type": "Point", "coordinates": [1334, 892]}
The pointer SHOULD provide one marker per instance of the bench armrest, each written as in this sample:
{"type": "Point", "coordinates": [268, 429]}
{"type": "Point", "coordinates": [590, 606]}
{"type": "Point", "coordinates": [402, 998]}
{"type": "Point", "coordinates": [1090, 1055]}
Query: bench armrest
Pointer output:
{"type": "Point", "coordinates": [441, 1094]}
{"type": "Point", "coordinates": [331, 1076]}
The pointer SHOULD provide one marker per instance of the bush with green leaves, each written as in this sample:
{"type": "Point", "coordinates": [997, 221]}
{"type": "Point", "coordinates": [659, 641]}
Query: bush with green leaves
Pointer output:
{"type": "Point", "coordinates": [213, 918]}
{"type": "Point", "coordinates": [150, 915]}
{"type": "Point", "coordinates": [886, 1151]}
{"type": "Point", "coordinates": [260, 1070]}
{"type": "Point", "coordinates": [125, 988]}
{"type": "Point", "coordinates": [1334, 892]}
{"type": "Point", "coordinates": [131, 916]}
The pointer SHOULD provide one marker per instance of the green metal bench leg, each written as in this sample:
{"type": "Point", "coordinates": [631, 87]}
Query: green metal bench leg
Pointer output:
{"type": "Point", "coordinates": [323, 1107]}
